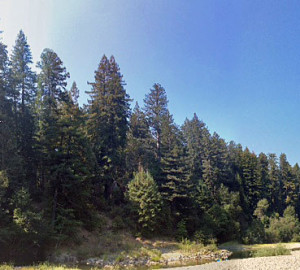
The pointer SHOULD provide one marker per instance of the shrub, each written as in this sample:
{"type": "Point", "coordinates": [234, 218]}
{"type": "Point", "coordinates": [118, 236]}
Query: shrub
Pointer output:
{"type": "Point", "coordinates": [266, 252]}
{"type": "Point", "coordinates": [283, 229]}
{"type": "Point", "coordinates": [255, 233]}
{"type": "Point", "coordinates": [118, 224]}
{"type": "Point", "coordinates": [181, 232]}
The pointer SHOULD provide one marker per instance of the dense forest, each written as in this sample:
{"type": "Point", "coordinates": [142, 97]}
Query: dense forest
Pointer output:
{"type": "Point", "coordinates": [64, 166]}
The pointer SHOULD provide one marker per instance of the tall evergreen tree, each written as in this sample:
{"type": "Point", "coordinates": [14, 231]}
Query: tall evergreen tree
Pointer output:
{"type": "Point", "coordinates": [275, 184]}
{"type": "Point", "coordinates": [140, 144]}
{"type": "Point", "coordinates": [289, 182]}
{"type": "Point", "coordinates": [10, 161]}
{"type": "Point", "coordinates": [156, 108]}
{"type": "Point", "coordinates": [23, 82]}
{"type": "Point", "coordinates": [107, 124]}
{"type": "Point", "coordinates": [197, 137]}
{"type": "Point", "coordinates": [74, 173]}
{"type": "Point", "coordinates": [23, 77]}
{"type": "Point", "coordinates": [263, 176]}
{"type": "Point", "coordinates": [250, 178]}
{"type": "Point", "coordinates": [52, 83]}
{"type": "Point", "coordinates": [175, 185]}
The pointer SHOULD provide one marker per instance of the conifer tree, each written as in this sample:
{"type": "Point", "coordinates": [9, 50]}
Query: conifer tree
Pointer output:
{"type": "Point", "coordinates": [10, 161]}
{"type": "Point", "coordinates": [51, 168]}
{"type": "Point", "coordinates": [140, 144]}
{"type": "Point", "coordinates": [23, 77]}
{"type": "Point", "coordinates": [107, 124]}
{"type": "Point", "coordinates": [196, 136]}
{"type": "Point", "coordinates": [76, 164]}
{"type": "Point", "coordinates": [156, 108]}
{"type": "Point", "coordinates": [146, 200]}
{"type": "Point", "coordinates": [23, 83]}
{"type": "Point", "coordinates": [263, 176]}
{"type": "Point", "coordinates": [289, 182]}
{"type": "Point", "coordinates": [250, 177]}
{"type": "Point", "coordinates": [175, 185]}
{"type": "Point", "coordinates": [275, 184]}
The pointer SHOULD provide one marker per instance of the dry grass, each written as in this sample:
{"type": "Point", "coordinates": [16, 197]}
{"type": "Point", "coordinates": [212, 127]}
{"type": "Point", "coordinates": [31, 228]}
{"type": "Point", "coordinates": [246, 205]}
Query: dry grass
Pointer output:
{"type": "Point", "coordinates": [95, 244]}
{"type": "Point", "coordinates": [37, 267]}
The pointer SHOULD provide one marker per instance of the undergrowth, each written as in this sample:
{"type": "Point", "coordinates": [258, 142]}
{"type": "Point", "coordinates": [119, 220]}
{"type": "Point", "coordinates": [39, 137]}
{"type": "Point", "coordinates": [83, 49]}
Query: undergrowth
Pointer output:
{"type": "Point", "coordinates": [266, 252]}
{"type": "Point", "coordinates": [188, 246]}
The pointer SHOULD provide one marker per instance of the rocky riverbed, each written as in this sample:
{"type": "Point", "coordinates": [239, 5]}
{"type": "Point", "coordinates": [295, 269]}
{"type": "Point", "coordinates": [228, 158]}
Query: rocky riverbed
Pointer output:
{"type": "Point", "coordinates": [166, 260]}
{"type": "Point", "coordinates": [286, 262]}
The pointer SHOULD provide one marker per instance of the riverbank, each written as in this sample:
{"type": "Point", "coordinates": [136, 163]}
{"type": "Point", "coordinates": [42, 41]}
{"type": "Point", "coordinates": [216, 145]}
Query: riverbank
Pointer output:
{"type": "Point", "coordinates": [285, 262]}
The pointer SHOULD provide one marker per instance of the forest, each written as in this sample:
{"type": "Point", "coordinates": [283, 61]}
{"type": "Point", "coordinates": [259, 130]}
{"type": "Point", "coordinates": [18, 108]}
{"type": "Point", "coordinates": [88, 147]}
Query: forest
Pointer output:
{"type": "Point", "coordinates": [63, 166]}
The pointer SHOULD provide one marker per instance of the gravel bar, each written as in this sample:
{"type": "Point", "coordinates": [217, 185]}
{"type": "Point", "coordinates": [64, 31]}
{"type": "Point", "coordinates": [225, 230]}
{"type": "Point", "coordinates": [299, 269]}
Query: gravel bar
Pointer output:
{"type": "Point", "coordinates": [285, 262]}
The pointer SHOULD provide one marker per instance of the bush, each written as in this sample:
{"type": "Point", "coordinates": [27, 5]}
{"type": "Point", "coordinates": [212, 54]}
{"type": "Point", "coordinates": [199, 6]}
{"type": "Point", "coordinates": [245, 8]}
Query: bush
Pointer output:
{"type": "Point", "coordinates": [204, 238]}
{"type": "Point", "coordinates": [181, 232]}
{"type": "Point", "coordinates": [255, 234]}
{"type": "Point", "coordinates": [266, 252]}
{"type": "Point", "coordinates": [118, 224]}
{"type": "Point", "coordinates": [283, 229]}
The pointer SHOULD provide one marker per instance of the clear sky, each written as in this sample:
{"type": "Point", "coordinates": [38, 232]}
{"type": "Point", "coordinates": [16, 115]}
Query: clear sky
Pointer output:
{"type": "Point", "coordinates": [235, 63]}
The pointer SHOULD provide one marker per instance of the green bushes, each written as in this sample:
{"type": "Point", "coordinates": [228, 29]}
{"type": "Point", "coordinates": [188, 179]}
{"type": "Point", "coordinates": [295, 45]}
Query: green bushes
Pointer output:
{"type": "Point", "coordinates": [181, 232]}
{"type": "Point", "coordinates": [273, 229]}
{"type": "Point", "coordinates": [255, 234]}
{"type": "Point", "coordinates": [284, 229]}
{"type": "Point", "coordinates": [266, 252]}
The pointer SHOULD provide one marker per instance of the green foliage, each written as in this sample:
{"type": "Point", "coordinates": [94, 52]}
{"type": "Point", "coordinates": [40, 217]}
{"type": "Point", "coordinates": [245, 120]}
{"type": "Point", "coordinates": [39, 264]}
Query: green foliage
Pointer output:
{"type": "Point", "coordinates": [219, 222]}
{"type": "Point", "coordinates": [181, 231]}
{"type": "Point", "coordinates": [140, 148]}
{"type": "Point", "coordinates": [107, 124]}
{"type": "Point", "coordinates": [118, 224]}
{"type": "Point", "coordinates": [200, 237]}
{"type": "Point", "coordinates": [266, 252]}
{"type": "Point", "coordinates": [283, 229]}
{"type": "Point", "coordinates": [255, 234]}
{"type": "Point", "coordinates": [60, 165]}
{"type": "Point", "coordinates": [146, 201]}
{"type": "Point", "coordinates": [188, 246]}
{"type": "Point", "coordinates": [261, 210]}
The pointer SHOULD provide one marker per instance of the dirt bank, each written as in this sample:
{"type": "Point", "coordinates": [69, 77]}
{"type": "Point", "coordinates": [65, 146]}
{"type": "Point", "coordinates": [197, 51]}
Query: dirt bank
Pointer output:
{"type": "Point", "coordinates": [286, 262]}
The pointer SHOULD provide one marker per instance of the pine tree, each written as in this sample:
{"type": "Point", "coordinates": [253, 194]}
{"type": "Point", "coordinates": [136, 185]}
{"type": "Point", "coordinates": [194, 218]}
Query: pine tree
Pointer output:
{"type": "Point", "coordinates": [107, 124]}
{"type": "Point", "coordinates": [23, 82]}
{"type": "Point", "coordinates": [218, 154]}
{"type": "Point", "coordinates": [263, 176]}
{"type": "Point", "coordinates": [197, 137]}
{"type": "Point", "coordinates": [296, 176]}
{"type": "Point", "coordinates": [250, 177]}
{"type": "Point", "coordinates": [51, 167]}
{"type": "Point", "coordinates": [52, 93]}
{"type": "Point", "coordinates": [140, 144]}
{"type": "Point", "coordinates": [275, 185]}
{"type": "Point", "coordinates": [146, 200]}
{"type": "Point", "coordinates": [289, 182]}
{"type": "Point", "coordinates": [235, 152]}
{"type": "Point", "coordinates": [10, 161]}
{"type": "Point", "coordinates": [175, 185]}
{"type": "Point", "coordinates": [76, 165]}
{"type": "Point", "coordinates": [156, 108]}
{"type": "Point", "coordinates": [23, 77]}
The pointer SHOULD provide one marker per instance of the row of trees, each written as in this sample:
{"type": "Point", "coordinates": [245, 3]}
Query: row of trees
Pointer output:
{"type": "Point", "coordinates": [62, 164]}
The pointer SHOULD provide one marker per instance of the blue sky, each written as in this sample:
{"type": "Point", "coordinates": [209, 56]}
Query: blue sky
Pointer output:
{"type": "Point", "coordinates": [235, 63]}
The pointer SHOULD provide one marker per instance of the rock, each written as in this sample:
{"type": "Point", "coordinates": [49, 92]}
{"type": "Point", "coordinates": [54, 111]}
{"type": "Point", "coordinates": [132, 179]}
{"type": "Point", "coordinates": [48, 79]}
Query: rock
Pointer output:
{"type": "Point", "coordinates": [63, 258]}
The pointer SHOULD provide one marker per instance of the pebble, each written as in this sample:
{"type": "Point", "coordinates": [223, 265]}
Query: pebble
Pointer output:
{"type": "Point", "coordinates": [285, 262]}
